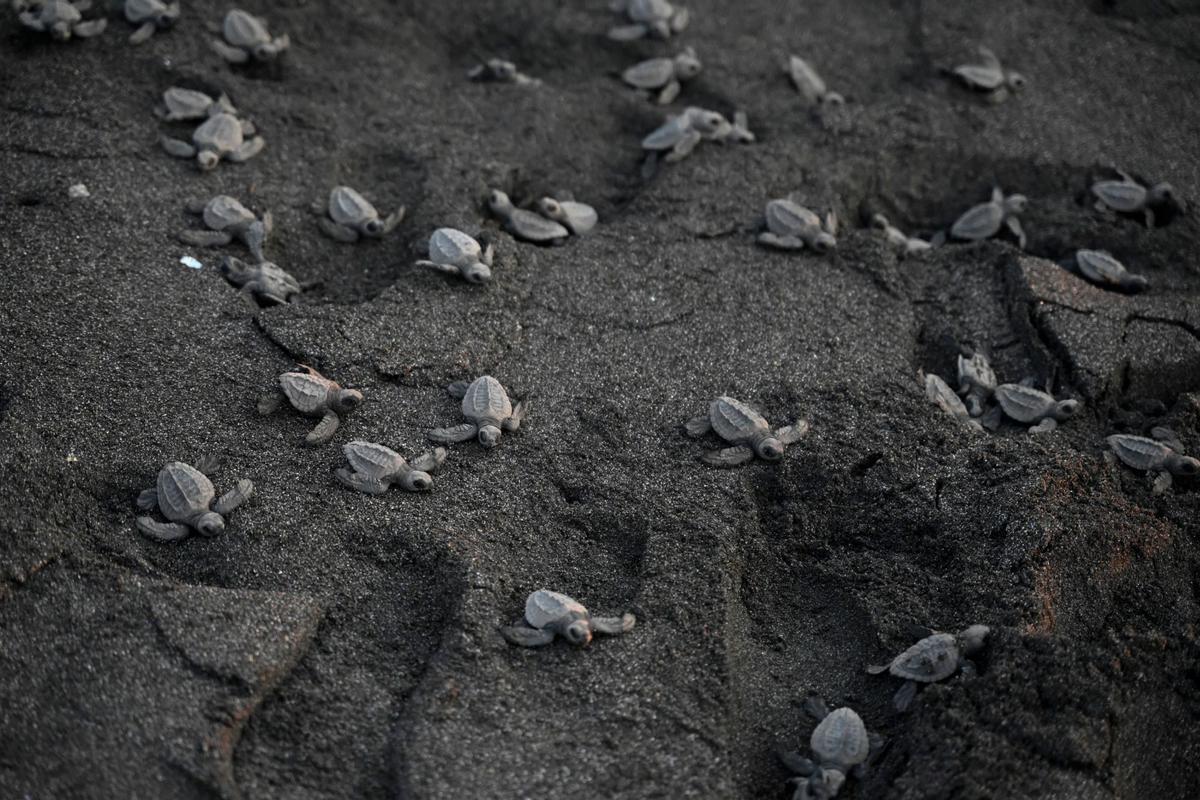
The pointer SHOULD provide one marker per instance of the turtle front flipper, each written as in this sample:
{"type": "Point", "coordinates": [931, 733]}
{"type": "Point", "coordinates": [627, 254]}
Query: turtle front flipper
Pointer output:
{"type": "Point", "coordinates": [527, 637]}
{"type": "Point", "coordinates": [256, 236]}
{"type": "Point", "coordinates": [178, 147]}
{"type": "Point", "coordinates": [162, 531]}
{"type": "Point", "coordinates": [797, 763]}
{"type": "Point", "coordinates": [769, 239]}
{"type": "Point", "coordinates": [360, 482]}
{"type": "Point", "coordinates": [905, 695]}
{"type": "Point", "coordinates": [147, 500]}
{"type": "Point", "coordinates": [669, 93]}
{"type": "Point", "coordinates": [143, 33]}
{"type": "Point", "coordinates": [93, 27]}
{"type": "Point", "coordinates": [1045, 426]}
{"type": "Point", "coordinates": [991, 419]}
{"type": "Point", "coordinates": [1014, 225]}
{"type": "Point", "coordinates": [684, 147]}
{"type": "Point", "coordinates": [324, 430]}
{"type": "Point", "coordinates": [395, 219]}
{"type": "Point", "coordinates": [197, 238]}
{"type": "Point", "coordinates": [514, 421]}
{"type": "Point", "coordinates": [208, 464]}
{"type": "Point", "coordinates": [627, 33]}
{"type": "Point", "coordinates": [729, 457]}
{"type": "Point", "coordinates": [341, 233]}
{"type": "Point", "coordinates": [248, 150]}
{"type": "Point", "coordinates": [459, 433]}
{"type": "Point", "coordinates": [793, 433]}
{"type": "Point", "coordinates": [234, 497]}
{"type": "Point", "coordinates": [429, 461]}
{"type": "Point", "coordinates": [698, 426]}
{"type": "Point", "coordinates": [1161, 483]}
{"type": "Point", "coordinates": [877, 669]}
{"type": "Point", "coordinates": [449, 269]}
{"type": "Point", "coordinates": [234, 55]}
{"type": "Point", "coordinates": [614, 626]}
{"type": "Point", "coordinates": [458, 389]}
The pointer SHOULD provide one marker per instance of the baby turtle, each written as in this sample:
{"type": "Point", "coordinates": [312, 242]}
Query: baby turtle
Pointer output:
{"type": "Point", "coordinates": [377, 468]}
{"type": "Point", "coordinates": [1162, 455]}
{"type": "Point", "coordinates": [264, 282]}
{"type": "Point", "coordinates": [188, 104]}
{"type": "Point", "coordinates": [941, 395]}
{"type": "Point", "coordinates": [663, 75]}
{"type": "Point", "coordinates": [1127, 196]}
{"type": "Point", "coordinates": [457, 253]}
{"type": "Point", "coordinates": [347, 215]}
{"type": "Point", "coordinates": [60, 19]}
{"type": "Point", "coordinates": [985, 220]}
{"type": "Point", "coordinates": [933, 659]}
{"type": "Point", "coordinates": [976, 382]}
{"type": "Point", "coordinates": [1029, 405]}
{"type": "Point", "coordinates": [745, 428]}
{"type": "Point", "coordinates": [841, 746]}
{"type": "Point", "coordinates": [227, 219]}
{"type": "Point", "coordinates": [989, 77]}
{"type": "Point", "coordinates": [1102, 269]}
{"type": "Point", "coordinates": [897, 239]}
{"type": "Point", "coordinates": [578, 218]}
{"type": "Point", "coordinates": [488, 410]}
{"type": "Point", "coordinates": [149, 16]}
{"type": "Point", "coordinates": [648, 18]}
{"type": "Point", "coordinates": [791, 226]}
{"type": "Point", "coordinates": [313, 395]}
{"type": "Point", "coordinates": [809, 84]}
{"type": "Point", "coordinates": [246, 38]}
{"type": "Point", "coordinates": [525, 224]}
{"type": "Point", "coordinates": [497, 70]}
{"type": "Point", "coordinates": [220, 136]}
{"type": "Point", "coordinates": [184, 494]}
{"type": "Point", "coordinates": [682, 132]}
{"type": "Point", "coordinates": [549, 614]}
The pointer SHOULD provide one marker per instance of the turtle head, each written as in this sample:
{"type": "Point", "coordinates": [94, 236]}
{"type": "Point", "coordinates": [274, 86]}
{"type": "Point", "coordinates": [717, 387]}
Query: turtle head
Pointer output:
{"type": "Point", "coordinates": [1065, 409]}
{"type": "Point", "coordinates": [971, 639]}
{"type": "Point", "coordinates": [502, 70]}
{"type": "Point", "coordinates": [417, 481]}
{"type": "Point", "coordinates": [478, 272]}
{"type": "Point", "coordinates": [499, 202]}
{"type": "Point", "coordinates": [1135, 283]}
{"type": "Point", "coordinates": [489, 435]}
{"type": "Point", "coordinates": [1184, 465]}
{"type": "Point", "coordinates": [579, 633]}
{"type": "Point", "coordinates": [266, 51]}
{"type": "Point", "coordinates": [769, 449]}
{"type": "Point", "coordinates": [207, 160]}
{"type": "Point", "coordinates": [1160, 194]}
{"type": "Point", "coordinates": [550, 208]}
{"type": "Point", "coordinates": [687, 65]}
{"type": "Point", "coordinates": [373, 227]}
{"type": "Point", "coordinates": [823, 242]}
{"type": "Point", "coordinates": [347, 400]}
{"type": "Point", "coordinates": [1015, 203]}
{"type": "Point", "coordinates": [210, 524]}
{"type": "Point", "coordinates": [1015, 81]}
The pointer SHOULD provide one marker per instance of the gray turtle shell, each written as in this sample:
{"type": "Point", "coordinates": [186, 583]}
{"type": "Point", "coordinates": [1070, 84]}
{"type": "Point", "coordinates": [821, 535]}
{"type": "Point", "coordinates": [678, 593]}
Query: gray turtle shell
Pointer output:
{"type": "Point", "coordinates": [525, 224]}
{"type": "Point", "coordinates": [979, 222]}
{"type": "Point", "coordinates": [308, 394]}
{"type": "Point", "coordinates": [652, 74]}
{"type": "Point", "coordinates": [224, 211]}
{"type": "Point", "coordinates": [486, 400]}
{"type": "Point", "coordinates": [348, 207]}
{"type": "Point", "coordinates": [244, 30]}
{"type": "Point", "coordinates": [1024, 403]}
{"type": "Point", "coordinates": [1122, 195]}
{"type": "Point", "coordinates": [976, 372]}
{"type": "Point", "coordinates": [709, 124]}
{"type": "Point", "coordinates": [373, 460]}
{"type": "Point", "coordinates": [145, 10]}
{"type": "Point", "coordinates": [934, 658]}
{"type": "Point", "coordinates": [52, 12]}
{"type": "Point", "coordinates": [649, 11]}
{"type": "Point", "coordinates": [785, 217]}
{"type": "Point", "coordinates": [734, 421]}
{"type": "Point", "coordinates": [941, 395]}
{"type": "Point", "coordinates": [1140, 452]}
{"type": "Point", "coordinates": [544, 607]}
{"type": "Point", "coordinates": [450, 246]}
{"type": "Point", "coordinates": [840, 740]}
{"type": "Point", "coordinates": [806, 80]}
{"type": "Point", "coordinates": [186, 103]}
{"type": "Point", "coordinates": [1100, 267]}
{"type": "Point", "coordinates": [220, 132]}
{"type": "Point", "coordinates": [183, 491]}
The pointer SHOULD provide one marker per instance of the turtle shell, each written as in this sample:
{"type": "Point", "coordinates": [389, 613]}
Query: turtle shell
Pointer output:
{"type": "Point", "coordinates": [980, 222]}
{"type": "Point", "coordinates": [244, 30]}
{"type": "Point", "coordinates": [941, 395]}
{"type": "Point", "coordinates": [1024, 403]}
{"type": "Point", "coordinates": [59, 11]}
{"type": "Point", "coordinates": [1100, 267]}
{"type": "Point", "coordinates": [220, 132]}
{"type": "Point", "coordinates": [373, 460]}
{"type": "Point", "coordinates": [789, 218]}
{"type": "Point", "coordinates": [734, 421]}
{"type": "Point", "coordinates": [186, 103]}
{"type": "Point", "coordinates": [535, 227]}
{"type": "Point", "coordinates": [934, 658]}
{"type": "Point", "coordinates": [143, 10]}
{"type": "Point", "coordinates": [669, 133]}
{"type": "Point", "coordinates": [840, 740]}
{"type": "Point", "coordinates": [987, 77]}
{"type": "Point", "coordinates": [1140, 452]}
{"type": "Point", "coordinates": [649, 10]}
{"type": "Point", "coordinates": [486, 399]}
{"type": "Point", "coordinates": [348, 207]}
{"type": "Point", "coordinates": [652, 74]}
{"type": "Point", "coordinates": [806, 79]}
{"type": "Point", "coordinates": [545, 607]}
{"type": "Point", "coordinates": [183, 491]}
{"type": "Point", "coordinates": [308, 394]}
{"type": "Point", "coordinates": [1121, 195]}
{"type": "Point", "coordinates": [450, 246]}
{"type": "Point", "coordinates": [224, 211]}
{"type": "Point", "coordinates": [976, 372]}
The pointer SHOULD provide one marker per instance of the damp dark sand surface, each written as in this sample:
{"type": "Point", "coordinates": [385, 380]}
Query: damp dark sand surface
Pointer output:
{"type": "Point", "coordinates": [335, 645]}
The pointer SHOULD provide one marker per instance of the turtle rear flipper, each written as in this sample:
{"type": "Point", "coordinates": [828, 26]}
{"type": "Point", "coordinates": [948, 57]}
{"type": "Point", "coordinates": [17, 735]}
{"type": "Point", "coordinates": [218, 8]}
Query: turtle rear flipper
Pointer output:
{"type": "Point", "coordinates": [792, 433]}
{"type": "Point", "coordinates": [324, 430]}
{"type": "Point", "coordinates": [614, 625]}
{"type": "Point", "coordinates": [337, 232]}
{"type": "Point", "coordinates": [729, 457]}
{"type": "Point", "coordinates": [905, 695]}
{"type": "Point", "coordinates": [527, 637]}
{"type": "Point", "coordinates": [147, 500]}
{"type": "Point", "coordinates": [518, 414]}
{"type": "Point", "coordinates": [248, 150]}
{"type": "Point", "coordinates": [162, 531]}
{"type": "Point", "coordinates": [627, 33]}
{"type": "Point", "coordinates": [459, 433]}
{"type": "Point", "coordinates": [234, 497]}
{"type": "Point", "coordinates": [429, 461]}
{"type": "Point", "coordinates": [93, 27]}
{"type": "Point", "coordinates": [877, 669]}
{"type": "Point", "coordinates": [815, 707]}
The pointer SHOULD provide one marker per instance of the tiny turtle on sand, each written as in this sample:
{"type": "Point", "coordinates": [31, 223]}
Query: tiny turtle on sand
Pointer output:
{"type": "Point", "coordinates": [549, 614]}
{"type": "Point", "coordinates": [578, 218]}
{"type": "Point", "coordinates": [897, 239]}
{"type": "Point", "coordinates": [264, 282]}
{"type": "Point", "coordinates": [1029, 405]}
{"type": "Point", "coordinates": [985, 220]}
{"type": "Point", "coordinates": [347, 216]}
{"type": "Point", "coordinates": [941, 395]}
{"type": "Point", "coordinates": [934, 658]}
{"type": "Point", "coordinates": [682, 132]}
{"type": "Point", "coordinates": [1162, 456]}
{"type": "Point", "coordinates": [809, 84]}
{"type": "Point", "coordinates": [525, 224]}
{"type": "Point", "coordinates": [989, 77]}
{"type": "Point", "coordinates": [791, 226]}
{"type": "Point", "coordinates": [456, 253]}
{"type": "Point", "coordinates": [377, 468]}
{"type": "Point", "coordinates": [663, 75]}
{"type": "Point", "coordinates": [226, 220]}
{"type": "Point", "coordinates": [976, 382]}
{"type": "Point", "coordinates": [246, 37]}
{"type": "Point", "coordinates": [1102, 269]}
{"type": "Point", "coordinates": [1128, 196]}
{"type": "Point", "coordinates": [188, 104]}
{"type": "Point", "coordinates": [488, 410]}
{"type": "Point", "coordinates": [60, 19]}
{"type": "Point", "coordinates": [746, 429]}
{"type": "Point", "coordinates": [184, 495]}
{"type": "Point", "coordinates": [840, 745]}
{"type": "Point", "coordinates": [497, 70]}
{"type": "Point", "coordinates": [149, 16]}
{"type": "Point", "coordinates": [221, 136]}
{"type": "Point", "coordinates": [657, 18]}
{"type": "Point", "coordinates": [313, 395]}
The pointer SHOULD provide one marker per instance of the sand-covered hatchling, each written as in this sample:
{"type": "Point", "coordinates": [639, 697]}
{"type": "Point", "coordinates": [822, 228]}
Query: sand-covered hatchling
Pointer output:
{"type": "Point", "coordinates": [263, 283]}
{"type": "Point", "coordinates": [549, 614]}
{"type": "Point", "coordinates": [578, 218]}
{"type": "Point", "coordinates": [184, 495]}
{"type": "Point", "coordinates": [377, 468]}
{"type": "Point", "coordinates": [792, 226]}
{"type": "Point", "coordinates": [524, 224]}
{"type": "Point", "coordinates": [809, 83]}
{"type": "Point", "coordinates": [60, 19]}
{"type": "Point", "coordinates": [989, 77]}
{"type": "Point", "coordinates": [497, 70]}
{"type": "Point", "coordinates": [454, 252]}
{"type": "Point", "coordinates": [227, 219]}
{"type": "Point", "coordinates": [986, 219]}
{"type": "Point", "coordinates": [897, 239]}
{"type": "Point", "coordinates": [188, 104]}
{"type": "Point", "coordinates": [1103, 269]}
{"type": "Point", "coordinates": [662, 78]}
{"type": "Point", "coordinates": [347, 216]}
{"type": "Point", "coordinates": [976, 382]}
{"type": "Point", "coordinates": [149, 16]}
{"type": "Point", "coordinates": [245, 37]}
{"type": "Point", "coordinates": [1034, 407]}
{"type": "Point", "coordinates": [934, 658]}
{"type": "Point", "coordinates": [1128, 196]}
{"type": "Point", "coordinates": [745, 429]}
{"type": "Point", "coordinates": [1162, 456]}
{"type": "Point", "coordinates": [840, 746]}
{"type": "Point", "coordinates": [938, 392]}
{"type": "Point", "coordinates": [658, 18]}
{"type": "Point", "coordinates": [313, 395]}
{"type": "Point", "coordinates": [488, 409]}
{"type": "Point", "coordinates": [221, 136]}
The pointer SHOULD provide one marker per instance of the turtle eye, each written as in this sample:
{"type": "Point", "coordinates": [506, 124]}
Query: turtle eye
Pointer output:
{"type": "Point", "coordinates": [578, 633]}
{"type": "Point", "coordinates": [1189, 466]}
{"type": "Point", "coordinates": [771, 450]}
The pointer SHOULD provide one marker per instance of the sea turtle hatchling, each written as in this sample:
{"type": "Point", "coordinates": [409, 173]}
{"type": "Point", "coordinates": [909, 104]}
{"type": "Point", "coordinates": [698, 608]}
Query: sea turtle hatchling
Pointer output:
{"type": "Point", "coordinates": [680, 134]}
{"type": "Point", "coordinates": [456, 253]}
{"type": "Point", "coordinates": [663, 75]}
{"type": "Point", "coordinates": [1128, 196]}
{"type": "Point", "coordinates": [976, 382]}
{"type": "Point", "coordinates": [897, 239]}
{"type": "Point", "coordinates": [60, 19]}
{"type": "Point", "coordinates": [497, 70]}
{"type": "Point", "coordinates": [1162, 456]}
{"type": "Point", "coordinates": [744, 428]}
{"type": "Point", "coordinates": [150, 16]}
{"type": "Point", "coordinates": [264, 282]}
{"type": "Point", "coordinates": [840, 745]}
{"type": "Point", "coordinates": [313, 395]}
{"type": "Point", "coordinates": [791, 226]}
{"type": "Point", "coordinates": [578, 218]}
{"type": "Point", "coordinates": [985, 220]}
{"type": "Point", "coordinates": [934, 658]}
{"type": "Point", "coordinates": [525, 224]}
{"type": "Point", "coordinates": [657, 18]}
{"type": "Point", "coordinates": [347, 216]}
{"type": "Point", "coordinates": [226, 220]}
{"type": "Point", "coordinates": [989, 77]}
{"type": "Point", "coordinates": [377, 468]}
{"type": "Point", "coordinates": [549, 614]}
{"type": "Point", "coordinates": [188, 104]}
{"type": "Point", "coordinates": [938, 392]}
{"type": "Point", "coordinates": [221, 136]}
{"type": "Point", "coordinates": [245, 37]}
{"type": "Point", "coordinates": [809, 84]}
{"type": "Point", "coordinates": [1101, 268]}
{"type": "Point", "coordinates": [1033, 406]}
{"type": "Point", "coordinates": [184, 495]}
{"type": "Point", "coordinates": [488, 410]}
